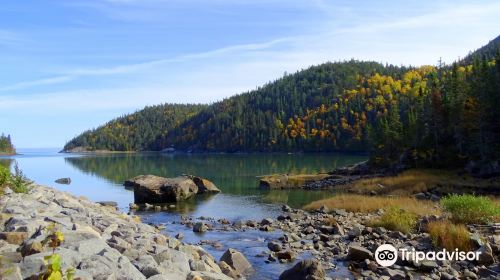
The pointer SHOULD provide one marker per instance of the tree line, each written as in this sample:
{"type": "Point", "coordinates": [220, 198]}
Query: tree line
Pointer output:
{"type": "Point", "coordinates": [439, 115]}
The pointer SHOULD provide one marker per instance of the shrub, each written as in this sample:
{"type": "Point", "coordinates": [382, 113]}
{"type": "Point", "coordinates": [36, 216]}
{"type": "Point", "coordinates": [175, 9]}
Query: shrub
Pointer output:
{"type": "Point", "coordinates": [470, 209]}
{"type": "Point", "coordinates": [445, 234]}
{"type": "Point", "coordinates": [4, 175]}
{"type": "Point", "coordinates": [397, 219]}
{"type": "Point", "coordinates": [18, 181]}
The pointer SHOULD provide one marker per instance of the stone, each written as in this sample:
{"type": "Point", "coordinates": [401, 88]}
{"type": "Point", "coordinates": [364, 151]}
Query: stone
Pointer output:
{"type": "Point", "coordinates": [200, 227]}
{"type": "Point", "coordinates": [358, 253]}
{"type": "Point", "coordinates": [266, 221]}
{"type": "Point", "coordinates": [228, 270]}
{"type": "Point", "coordinates": [207, 275]}
{"type": "Point", "coordinates": [133, 206]}
{"type": "Point", "coordinates": [323, 209]}
{"type": "Point", "coordinates": [63, 181]}
{"type": "Point", "coordinates": [237, 261]}
{"type": "Point", "coordinates": [274, 246]}
{"type": "Point", "coordinates": [147, 265]}
{"type": "Point", "coordinates": [33, 247]}
{"type": "Point", "coordinates": [155, 189]}
{"type": "Point", "coordinates": [395, 274]}
{"type": "Point", "coordinates": [179, 236]}
{"type": "Point", "coordinates": [14, 237]}
{"type": "Point", "coordinates": [485, 255]}
{"type": "Point", "coordinates": [108, 203]}
{"type": "Point", "coordinates": [287, 255]}
{"type": "Point", "coordinates": [427, 266]}
{"type": "Point", "coordinates": [304, 270]}
{"type": "Point", "coordinates": [205, 186]}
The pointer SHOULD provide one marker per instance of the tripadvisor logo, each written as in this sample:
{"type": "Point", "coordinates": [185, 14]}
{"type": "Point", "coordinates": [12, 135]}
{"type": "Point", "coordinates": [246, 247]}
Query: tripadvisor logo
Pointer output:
{"type": "Point", "coordinates": [387, 255]}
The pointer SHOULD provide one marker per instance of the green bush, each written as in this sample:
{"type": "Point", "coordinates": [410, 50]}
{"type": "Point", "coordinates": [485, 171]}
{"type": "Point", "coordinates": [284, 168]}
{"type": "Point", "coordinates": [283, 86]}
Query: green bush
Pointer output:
{"type": "Point", "coordinates": [470, 209]}
{"type": "Point", "coordinates": [4, 176]}
{"type": "Point", "coordinates": [18, 181]}
{"type": "Point", "coordinates": [397, 219]}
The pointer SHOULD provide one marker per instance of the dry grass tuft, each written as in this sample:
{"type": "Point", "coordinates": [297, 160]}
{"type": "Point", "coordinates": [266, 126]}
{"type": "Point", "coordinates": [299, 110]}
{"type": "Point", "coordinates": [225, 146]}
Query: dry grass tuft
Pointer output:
{"type": "Point", "coordinates": [365, 204]}
{"type": "Point", "coordinates": [445, 234]}
{"type": "Point", "coordinates": [420, 180]}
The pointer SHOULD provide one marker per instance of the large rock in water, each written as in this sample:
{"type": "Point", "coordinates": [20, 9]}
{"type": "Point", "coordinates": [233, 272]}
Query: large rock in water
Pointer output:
{"type": "Point", "coordinates": [205, 186]}
{"type": "Point", "coordinates": [304, 270]}
{"type": "Point", "coordinates": [155, 189]}
{"type": "Point", "coordinates": [237, 261]}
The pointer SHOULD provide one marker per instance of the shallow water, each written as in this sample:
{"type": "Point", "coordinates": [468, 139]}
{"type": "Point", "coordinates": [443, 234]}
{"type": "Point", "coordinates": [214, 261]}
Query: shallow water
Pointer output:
{"type": "Point", "coordinates": [100, 177]}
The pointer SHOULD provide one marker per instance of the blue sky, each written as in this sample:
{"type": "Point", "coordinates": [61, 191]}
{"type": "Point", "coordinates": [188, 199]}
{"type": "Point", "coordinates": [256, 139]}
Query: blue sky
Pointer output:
{"type": "Point", "coordinates": [67, 66]}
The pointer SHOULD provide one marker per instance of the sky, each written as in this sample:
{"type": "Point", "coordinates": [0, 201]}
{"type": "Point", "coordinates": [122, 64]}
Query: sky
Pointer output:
{"type": "Point", "coordinates": [71, 65]}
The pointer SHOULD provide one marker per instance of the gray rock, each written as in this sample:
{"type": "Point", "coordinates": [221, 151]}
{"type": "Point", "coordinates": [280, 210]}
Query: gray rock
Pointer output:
{"type": "Point", "coordinates": [358, 253]}
{"type": "Point", "coordinates": [274, 246]}
{"type": "Point", "coordinates": [304, 270]}
{"type": "Point", "coordinates": [237, 261]}
{"type": "Point", "coordinates": [205, 186]}
{"type": "Point", "coordinates": [267, 221]}
{"type": "Point", "coordinates": [63, 181]}
{"type": "Point", "coordinates": [108, 203]}
{"type": "Point", "coordinates": [155, 189]}
{"type": "Point", "coordinates": [200, 227]}
{"type": "Point", "coordinates": [147, 265]}
{"type": "Point", "coordinates": [486, 255]}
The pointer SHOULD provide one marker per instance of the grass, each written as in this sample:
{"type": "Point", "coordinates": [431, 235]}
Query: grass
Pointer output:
{"type": "Point", "coordinates": [445, 234]}
{"type": "Point", "coordinates": [397, 219]}
{"type": "Point", "coordinates": [421, 180]}
{"type": "Point", "coordinates": [366, 204]}
{"type": "Point", "coordinates": [17, 181]}
{"type": "Point", "coordinates": [470, 209]}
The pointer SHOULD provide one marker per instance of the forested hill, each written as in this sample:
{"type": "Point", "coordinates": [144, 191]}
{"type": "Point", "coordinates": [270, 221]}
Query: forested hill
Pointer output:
{"type": "Point", "coordinates": [427, 113]}
{"type": "Point", "coordinates": [6, 146]}
{"type": "Point", "coordinates": [139, 131]}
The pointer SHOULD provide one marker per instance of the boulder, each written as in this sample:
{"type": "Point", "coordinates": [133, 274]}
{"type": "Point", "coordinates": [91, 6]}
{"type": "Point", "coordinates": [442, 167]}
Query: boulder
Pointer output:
{"type": "Point", "coordinates": [304, 270]}
{"type": "Point", "coordinates": [237, 261]}
{"type": "Point", "coordinates": [358, 253]}
{"type": "Point", "coordinates": [205, 186]}
{"type": "Point", "coordinates": [63, 181]}
{"type": "Point", "coordinates": [274, 246]}
{"type": "Point", "coordinates": [200, 227]}
{"type": "Point", "coordinates": [486, 255]}
{"type": "Point", "coordinates": [287, 255]}
{"type": "Point", "coordinates": [155, 189]}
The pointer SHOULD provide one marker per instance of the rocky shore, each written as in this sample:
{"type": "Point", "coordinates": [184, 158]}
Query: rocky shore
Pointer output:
{"type": "Point", "coordinates": [335, 238]}
{"type": "Point", "coordinates": [98, 242]}
{"type": "Point", "coordinates": [102, 243]}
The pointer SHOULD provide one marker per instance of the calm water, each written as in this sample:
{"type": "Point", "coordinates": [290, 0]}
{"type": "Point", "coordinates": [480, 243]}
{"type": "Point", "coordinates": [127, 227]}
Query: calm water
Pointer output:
{"type": "Point", "coordinates": [100, 177]}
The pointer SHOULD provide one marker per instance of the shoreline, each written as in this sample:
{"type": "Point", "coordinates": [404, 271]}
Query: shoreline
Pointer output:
{"type": "Point", "coordinates": [99, 241]}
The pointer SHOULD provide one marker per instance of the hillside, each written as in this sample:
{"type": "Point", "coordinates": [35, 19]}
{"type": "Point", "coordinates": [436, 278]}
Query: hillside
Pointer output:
{"type": "Point", "coordinates": [134, 132]}
{"type": "Point", "coordinates": [429, 114]}
{"type": "Point", "coordinates": [6, 146]}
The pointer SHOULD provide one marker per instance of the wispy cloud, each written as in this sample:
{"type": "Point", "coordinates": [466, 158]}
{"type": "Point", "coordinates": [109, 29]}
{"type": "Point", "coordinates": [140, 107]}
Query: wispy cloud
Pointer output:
{"type": "Point", "coordinates": [135, 67]}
